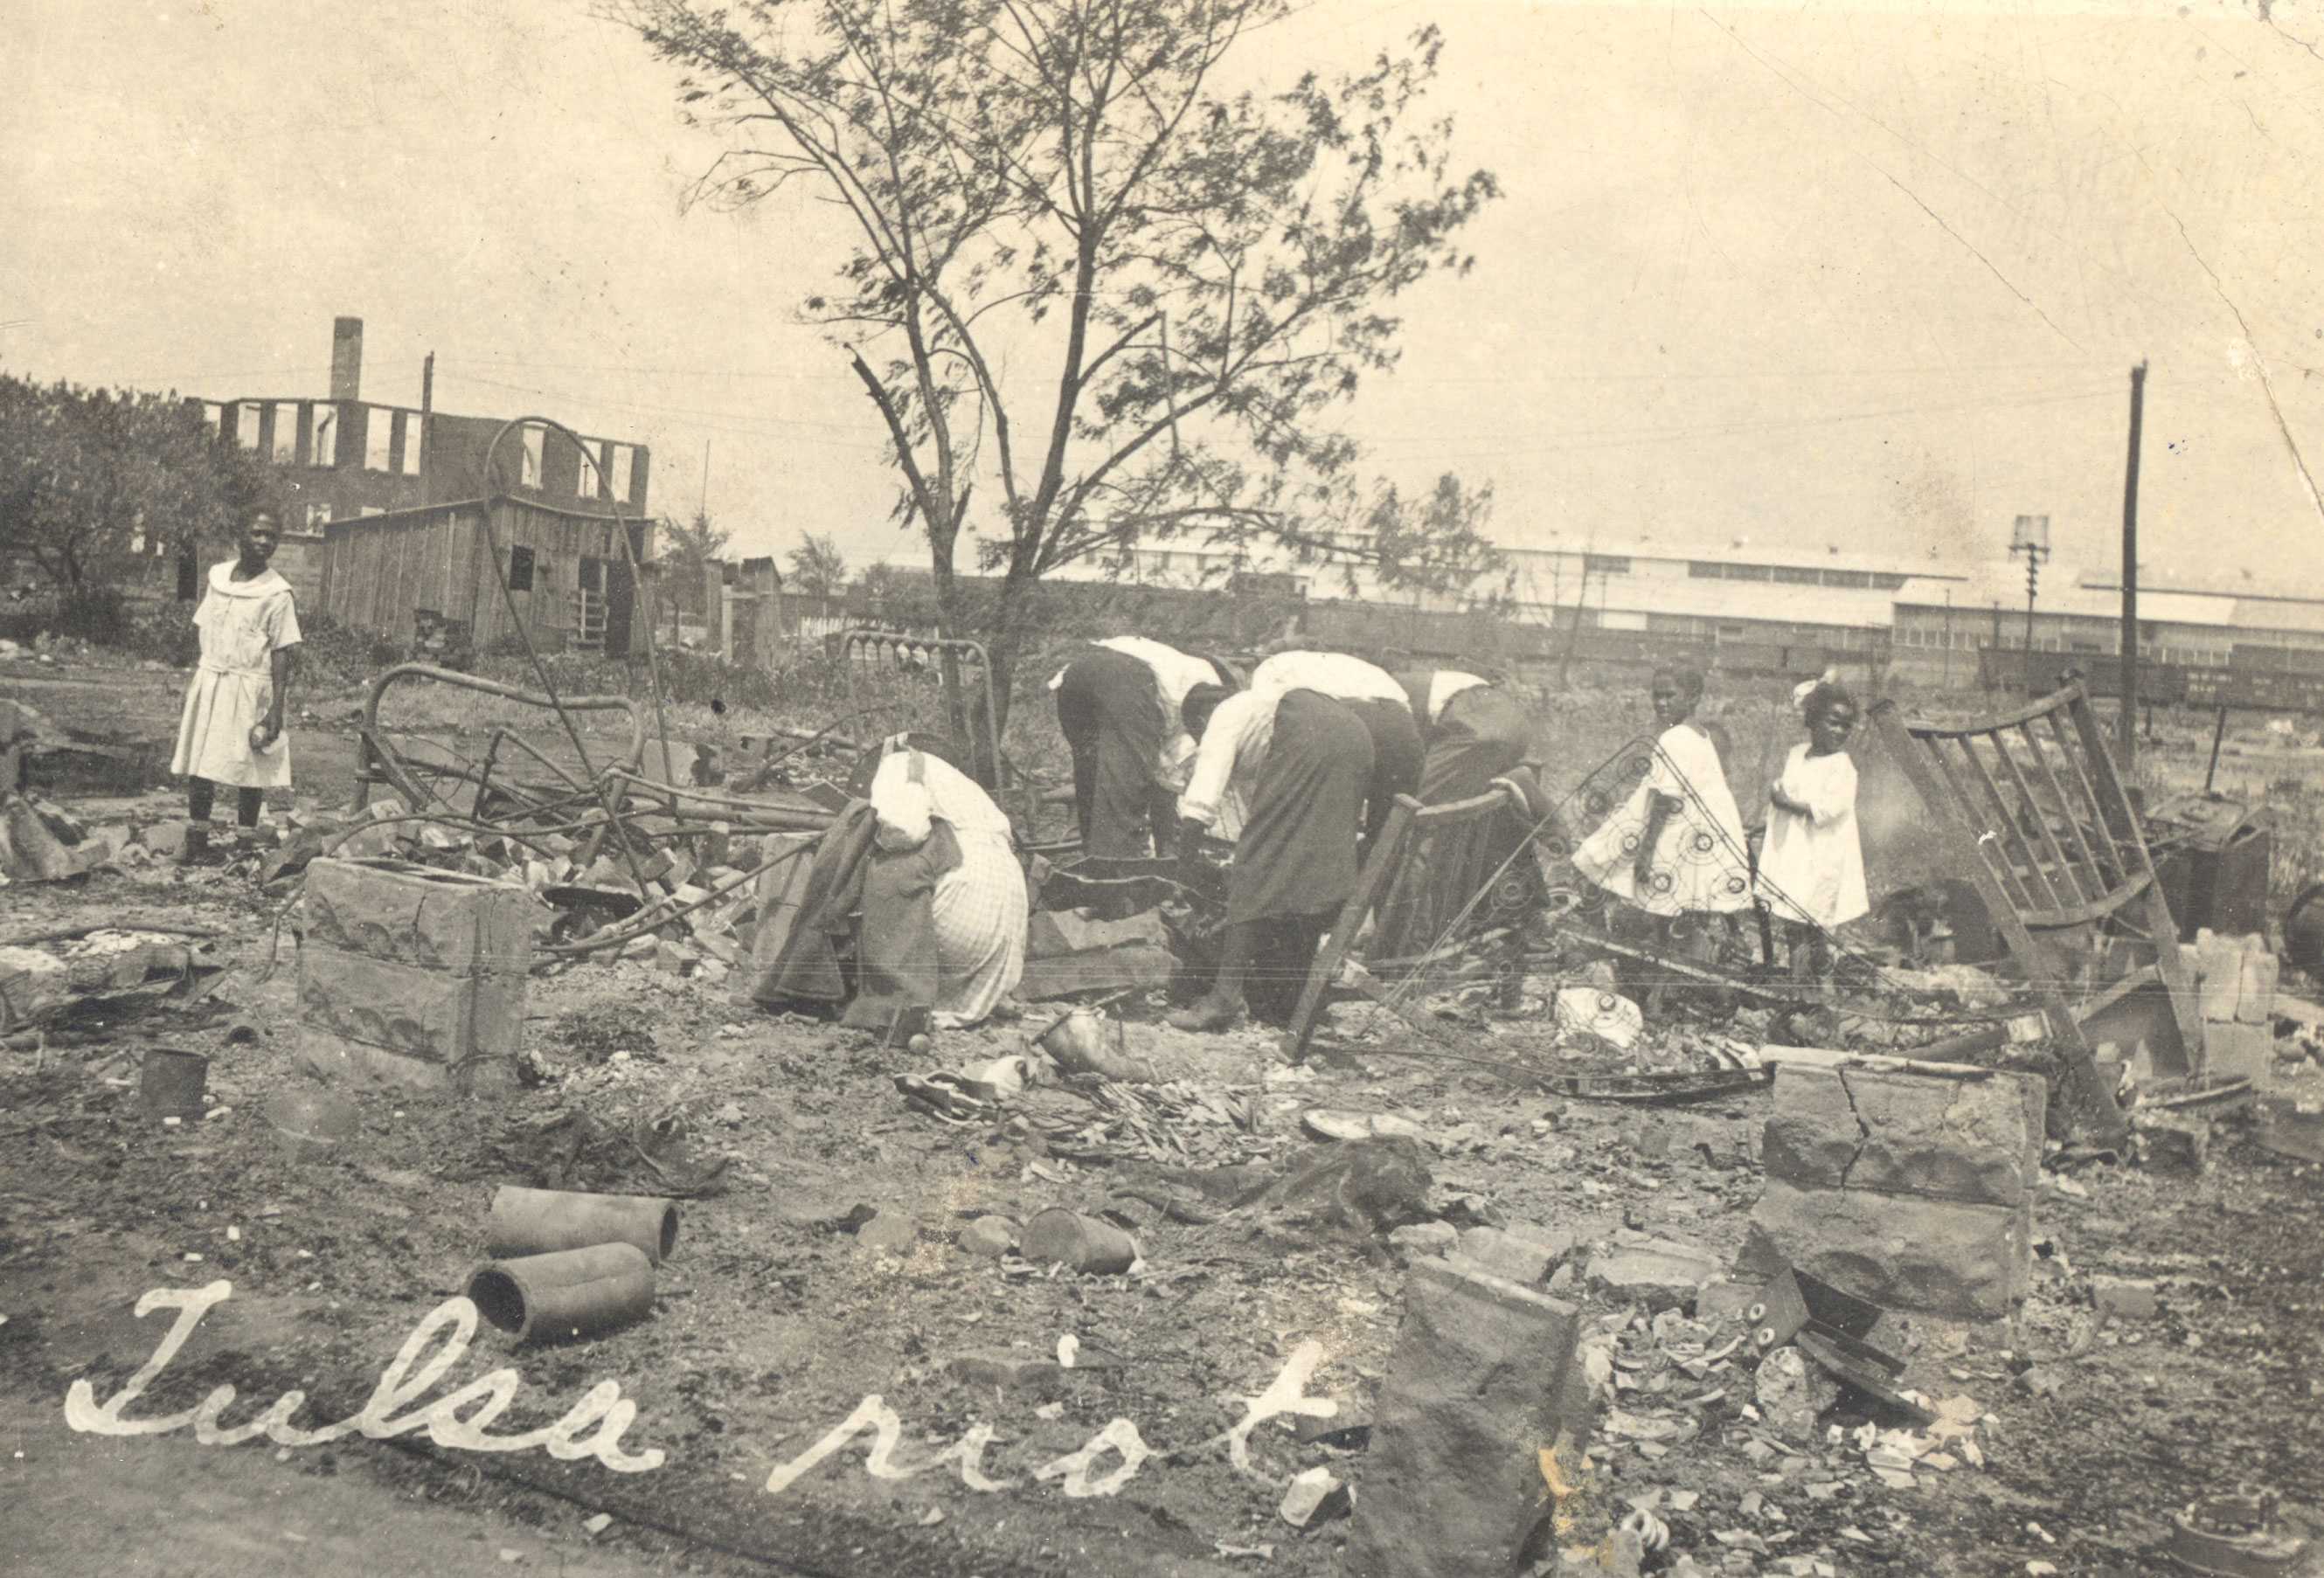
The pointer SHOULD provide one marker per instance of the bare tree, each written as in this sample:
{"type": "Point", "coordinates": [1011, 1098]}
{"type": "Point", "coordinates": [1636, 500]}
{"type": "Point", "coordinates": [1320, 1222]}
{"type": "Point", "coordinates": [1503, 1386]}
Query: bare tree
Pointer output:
{"type": "Point", "coordinates": [1200, 275]}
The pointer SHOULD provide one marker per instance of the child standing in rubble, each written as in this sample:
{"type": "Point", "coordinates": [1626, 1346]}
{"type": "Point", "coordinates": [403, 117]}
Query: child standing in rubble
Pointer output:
{"type": "Point", "coordinates": [1674, 848]}
{"type": "Point", "coordinates": [232, 731]}
{"type": "Point", "coordinates": [1811, 869]}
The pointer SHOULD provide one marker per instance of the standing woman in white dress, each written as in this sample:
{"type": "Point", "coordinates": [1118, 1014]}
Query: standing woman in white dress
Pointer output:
{"type": "Point", "coordinates": [231, 732]}
{"type": "Point", "coordinates": [1812, 867]}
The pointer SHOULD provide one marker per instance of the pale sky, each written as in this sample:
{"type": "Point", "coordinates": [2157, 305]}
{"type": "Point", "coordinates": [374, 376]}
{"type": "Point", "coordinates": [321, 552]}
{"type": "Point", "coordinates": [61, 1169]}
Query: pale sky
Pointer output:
{"type": "Point", "coordinates": [1800, 276]}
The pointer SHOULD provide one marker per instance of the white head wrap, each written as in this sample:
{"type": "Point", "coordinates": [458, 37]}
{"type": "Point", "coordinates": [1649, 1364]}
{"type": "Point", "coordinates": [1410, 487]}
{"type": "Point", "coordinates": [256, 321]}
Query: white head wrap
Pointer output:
{"type": "Point", "coordinates": [1806, 688]}
{"type": "Point", "coordinates": [901, 813]}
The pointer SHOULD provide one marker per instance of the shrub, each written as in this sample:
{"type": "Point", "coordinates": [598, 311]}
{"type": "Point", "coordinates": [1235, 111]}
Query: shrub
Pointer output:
{"type": "Point", "coordinates": [163, 632]}
{"type": "Point", "coordinates": [99, 615]}
{"type": "Point", "coordinates": [340, 653]}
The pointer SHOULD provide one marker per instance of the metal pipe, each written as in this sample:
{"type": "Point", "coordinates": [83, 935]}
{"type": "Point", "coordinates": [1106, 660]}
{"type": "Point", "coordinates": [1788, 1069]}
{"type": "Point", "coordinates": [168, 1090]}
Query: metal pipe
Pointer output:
{"type": "Point", "coordinates": [532, 1221]}
{"type": "Point", "coordinates": [573, 1293]}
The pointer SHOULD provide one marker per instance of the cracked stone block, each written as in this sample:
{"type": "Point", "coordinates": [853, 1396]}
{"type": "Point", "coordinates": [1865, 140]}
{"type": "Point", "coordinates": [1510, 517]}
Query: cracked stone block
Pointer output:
{"type": "Point", "coordinates": [417, 1016]}
{"type": "Point", "coordinates": [1520, 1253]}
{"type": "Point", "coordinates": [1905, 1134]}
{"type": "Point", "coordinates": [1475, 1390]}
{"type": "Point", "coordinates": [1939, 1257]}
{"type": "Point", "coordinates": [447, 920]}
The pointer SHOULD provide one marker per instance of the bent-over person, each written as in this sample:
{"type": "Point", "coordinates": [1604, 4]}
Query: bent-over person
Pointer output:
{"type": "Point", "coordinates": [1472, 730]}
{"type": "Point", "coordinates": [1304, 766]}
{"type": "Point", "coordinates": [231, 732]}
{"type": "Point", "coordinates": [1378, 701]}
{"type": "Point", "coordinates": [1120, 706]}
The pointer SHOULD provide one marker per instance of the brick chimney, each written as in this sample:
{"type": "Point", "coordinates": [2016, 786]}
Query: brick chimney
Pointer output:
{"type": "Point", "coordinates": [346, 358]}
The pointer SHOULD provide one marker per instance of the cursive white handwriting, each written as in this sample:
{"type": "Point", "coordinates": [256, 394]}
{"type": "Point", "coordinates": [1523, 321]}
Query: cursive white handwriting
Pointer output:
{"type": "Point", "coordinates": [459, 1419]}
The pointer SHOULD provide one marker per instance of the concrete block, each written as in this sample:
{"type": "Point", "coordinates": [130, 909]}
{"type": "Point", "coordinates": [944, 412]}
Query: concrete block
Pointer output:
{"type": "Point", "coordinates": [1520, 1253]}
{"type": "Point", "coordinates": [2218, 975]}
{"type": "Point", "coordinates": [2240, 1051]}
{"type": "Point", "coordinates": [418, 1014]}
{"type": "Point", "coordinates": [1906, 1134]}
{"type": "Point", "coordinates": [1476, 1387]}
{"type": "Point", "coordinates": [339, 1062]}
{"type": "Point", "coordinates": [1941, 1257]}
{"type": "Point", "coordinates": [1425, 1238]}
{"type": "Point", "coordinates": [448, 921]}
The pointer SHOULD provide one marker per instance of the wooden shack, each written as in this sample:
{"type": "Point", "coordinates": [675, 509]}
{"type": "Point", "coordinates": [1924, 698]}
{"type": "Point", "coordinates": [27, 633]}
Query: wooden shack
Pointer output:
{"type": "Point", "coordinates": [410, 574]}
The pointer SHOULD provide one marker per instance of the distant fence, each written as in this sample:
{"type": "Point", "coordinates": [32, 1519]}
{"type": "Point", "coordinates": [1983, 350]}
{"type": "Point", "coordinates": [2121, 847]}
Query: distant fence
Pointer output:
{"type": "Point", "coordinates": [2242, 682]}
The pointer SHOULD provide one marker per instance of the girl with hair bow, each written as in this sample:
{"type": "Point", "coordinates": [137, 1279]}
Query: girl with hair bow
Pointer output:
{"type": "Point", "coordinates": [1812, 867]}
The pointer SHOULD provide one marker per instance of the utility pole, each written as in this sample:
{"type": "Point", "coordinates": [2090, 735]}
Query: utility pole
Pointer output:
{"type": "Point", "coordinates": [1949, 638]}
{"type": "Point", "coordinates": [427, 407]}
{"type": "Point", "coordinates": [2031, 538]}
{"type": "Point", "coordinates": [2126, 723]}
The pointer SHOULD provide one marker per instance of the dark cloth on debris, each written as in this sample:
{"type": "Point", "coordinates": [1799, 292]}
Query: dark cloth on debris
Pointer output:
{"type": "Point", "coordinates": [1296, 856]}
{"type": "Point", "coordinates": [859, 901]}
{"type": "Point", "coordinates": [1397, 757]}
{"type": "Point", "coordinates": [1110, 711]}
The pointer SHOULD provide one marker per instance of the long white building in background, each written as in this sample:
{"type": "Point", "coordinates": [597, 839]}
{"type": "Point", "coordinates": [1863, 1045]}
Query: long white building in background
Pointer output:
{"type": "Point", "coordinates": [1928, 617]}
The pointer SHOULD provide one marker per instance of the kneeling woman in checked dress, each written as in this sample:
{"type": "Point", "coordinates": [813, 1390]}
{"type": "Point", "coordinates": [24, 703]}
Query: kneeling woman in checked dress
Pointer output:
{"type": "Point", "coordinates": [980, 906]}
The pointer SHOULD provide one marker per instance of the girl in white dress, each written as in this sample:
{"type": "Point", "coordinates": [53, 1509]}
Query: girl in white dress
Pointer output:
{"type": "Point", "coordinates": [231, 732]}
{"type": "Point", "coordinates": [1675, 845]}
{"type": "Point", "coordinates": [1812, 867]}
{"type": "Point", "coordinates": [1674, 848]}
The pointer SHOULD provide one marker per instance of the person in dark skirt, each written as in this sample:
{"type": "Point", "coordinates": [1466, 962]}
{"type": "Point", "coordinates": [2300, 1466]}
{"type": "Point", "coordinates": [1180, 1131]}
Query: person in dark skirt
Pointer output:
{"type": "Point", "coordinates": [1379, 704]}
{"type": "Point", "coordinates": [1304, 763]}
{"type": "Point", "coordinates": [1473, 732]}
{"type": "Point", "coordinates": [1476, 734]}
{"type": "Point", "coordinates": [1120, 708]}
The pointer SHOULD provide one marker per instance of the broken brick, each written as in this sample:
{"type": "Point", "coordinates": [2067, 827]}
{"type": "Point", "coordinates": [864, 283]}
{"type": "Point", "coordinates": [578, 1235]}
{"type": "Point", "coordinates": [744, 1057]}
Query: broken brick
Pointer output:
{"type": "Point", "coordinates": [1521, 1252]}
{"type": "Point", "coordinates": [2124, 1297]}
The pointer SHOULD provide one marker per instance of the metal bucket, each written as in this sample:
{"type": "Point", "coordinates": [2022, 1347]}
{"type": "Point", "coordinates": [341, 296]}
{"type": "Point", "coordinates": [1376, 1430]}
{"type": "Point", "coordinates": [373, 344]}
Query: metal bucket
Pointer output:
{"type": "Point", "coordinates": [170, 1084]}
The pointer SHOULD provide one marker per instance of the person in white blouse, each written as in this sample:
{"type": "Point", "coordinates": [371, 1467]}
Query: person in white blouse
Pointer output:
{"type": "Point", "coordinates": [1812, 866]}
{"type": "Point", "coordinates": [1378, 703]}
{"type": "Point", "coordinates": [1317, 738]}
{"type": "Point", "coordinates": [1120, 706]}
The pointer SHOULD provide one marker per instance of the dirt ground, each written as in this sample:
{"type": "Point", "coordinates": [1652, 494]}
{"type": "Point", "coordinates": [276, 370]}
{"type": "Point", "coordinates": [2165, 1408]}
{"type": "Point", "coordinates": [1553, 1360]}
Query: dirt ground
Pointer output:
{"type": "Point", "coordinates": [772, 1323]}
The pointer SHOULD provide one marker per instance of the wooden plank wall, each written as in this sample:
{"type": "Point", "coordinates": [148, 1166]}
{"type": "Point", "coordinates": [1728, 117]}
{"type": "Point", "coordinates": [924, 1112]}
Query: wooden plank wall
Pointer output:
{"type": "Point", "coordinates": [378, 569]}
